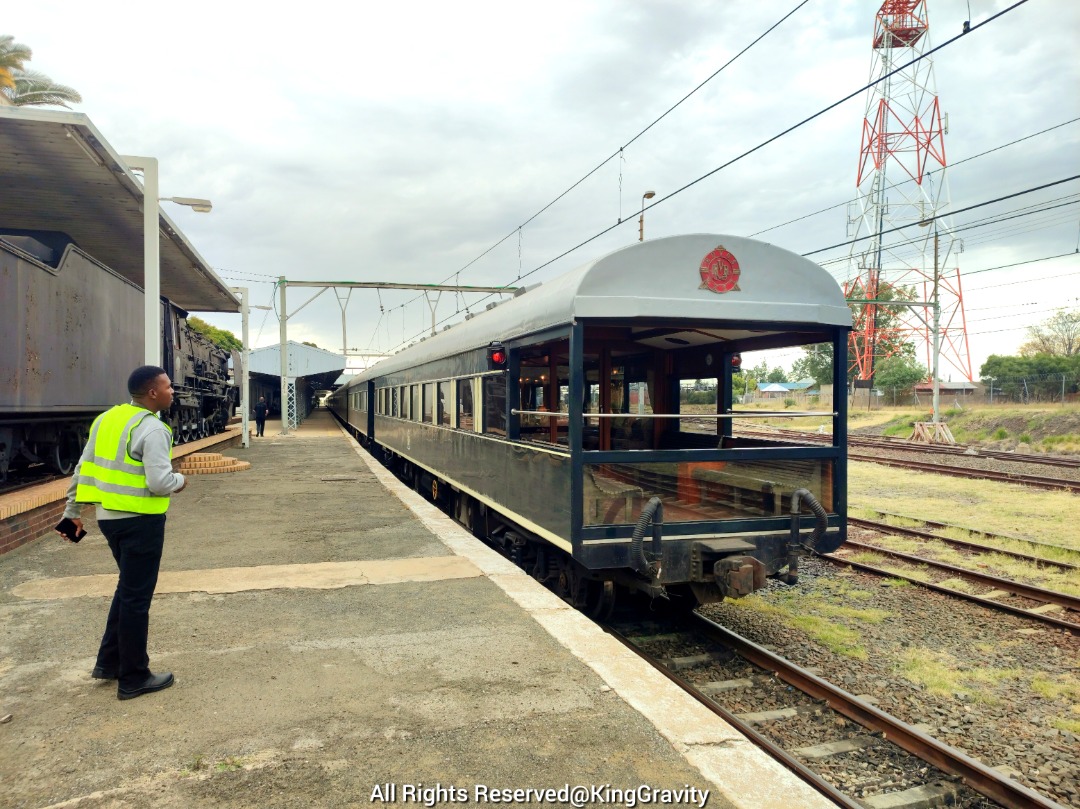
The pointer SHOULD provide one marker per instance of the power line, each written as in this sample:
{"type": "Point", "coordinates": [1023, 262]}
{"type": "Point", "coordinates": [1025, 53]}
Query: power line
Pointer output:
{"type": "Point", "coordinates": [953, 213]}
{"type": "Point", "coordinates": [619, 151]}
{"type": "Point", "coordinates": [910, 180]}
{"type": "Point", "coordinates": [760, 146]}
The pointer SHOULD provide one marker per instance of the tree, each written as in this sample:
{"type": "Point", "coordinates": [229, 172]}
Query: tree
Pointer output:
{"type": "Point", "coordinates": [29, 88]}
{"type": "Point", "coordinates": [219, 337]}
{"type": "Point", "coordinates": [34, 89]}
{"type": "Point", "coordinates": [777, 374]}
{"type": "Point", "coordinates": [891, 335]}
{"type": "Point", "coordinates": [898, 372]}
{"type": "Point", "coordinates": [12, 57]}
{"type": "Point", "coordinates": [1058, 337]}
{"type": "Point", "coordinates": [309, 343]}
{"type": "Point", "coordinates": [816, 363]}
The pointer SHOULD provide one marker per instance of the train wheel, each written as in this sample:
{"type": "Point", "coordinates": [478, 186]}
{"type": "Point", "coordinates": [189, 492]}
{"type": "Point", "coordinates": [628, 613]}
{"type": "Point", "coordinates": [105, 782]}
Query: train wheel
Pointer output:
{"type": "Point", "coordinates": [66, 452]}
{"type": "Point", "coordinates": [600, 599]}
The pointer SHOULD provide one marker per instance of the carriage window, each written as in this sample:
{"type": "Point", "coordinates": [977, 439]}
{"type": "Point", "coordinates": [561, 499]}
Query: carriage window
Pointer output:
{"type": "Point", "coordinates": [414, 414]}
{"type": "Point", "coordinates": [429, 395]}
{"type": "Point", "coordinates": [465, 404]}
{"type": "Point", "coordinates": [363, 400]}
{"type": "Point", "coordinates": [394, 402]}
{"type": "Point", "coordinates": [445, 403]}
{"type": "Point", "coordinates": [698, 396]}
{"type": "Point", "coordinates": [495, 404]}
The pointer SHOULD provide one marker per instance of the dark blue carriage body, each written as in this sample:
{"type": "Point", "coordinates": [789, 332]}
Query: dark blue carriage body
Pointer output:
{"type": "Point", "coordinates": [583, 425]}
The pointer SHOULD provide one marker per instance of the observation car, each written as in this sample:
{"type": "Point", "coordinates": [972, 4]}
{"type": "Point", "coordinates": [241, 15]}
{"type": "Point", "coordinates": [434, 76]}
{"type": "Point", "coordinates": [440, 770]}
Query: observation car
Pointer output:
{"type": "Point", "coordinates": [551, 424]}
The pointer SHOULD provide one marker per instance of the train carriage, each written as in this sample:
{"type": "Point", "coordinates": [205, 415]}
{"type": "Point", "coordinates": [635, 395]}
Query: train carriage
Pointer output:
{"type": "Point", "coordinates": [551, 424]}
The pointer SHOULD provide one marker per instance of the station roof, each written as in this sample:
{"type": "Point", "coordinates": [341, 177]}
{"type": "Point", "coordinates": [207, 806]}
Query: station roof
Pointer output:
{"type": "Point", "coordinates": [303, 360]}
{"type": "Point", "coordinates": [60, 174]}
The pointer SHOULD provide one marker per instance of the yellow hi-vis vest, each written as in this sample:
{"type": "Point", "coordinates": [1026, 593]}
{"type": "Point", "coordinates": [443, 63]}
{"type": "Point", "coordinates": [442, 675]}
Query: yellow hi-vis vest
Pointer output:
{"type": "Point", "coordinates": [112, 478]}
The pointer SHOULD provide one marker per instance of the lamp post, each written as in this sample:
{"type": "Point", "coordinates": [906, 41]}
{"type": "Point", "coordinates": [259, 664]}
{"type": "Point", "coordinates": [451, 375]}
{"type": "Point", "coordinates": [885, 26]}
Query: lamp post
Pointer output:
{"type": "Point", "coordinates": [152, 252]}
{"type": "Point", "coordinates": [641, 219]}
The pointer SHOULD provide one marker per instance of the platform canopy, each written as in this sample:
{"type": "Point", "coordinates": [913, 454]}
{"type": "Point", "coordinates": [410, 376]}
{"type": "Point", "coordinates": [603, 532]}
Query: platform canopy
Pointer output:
{"type": "Point", "coordinates": [57, 172]}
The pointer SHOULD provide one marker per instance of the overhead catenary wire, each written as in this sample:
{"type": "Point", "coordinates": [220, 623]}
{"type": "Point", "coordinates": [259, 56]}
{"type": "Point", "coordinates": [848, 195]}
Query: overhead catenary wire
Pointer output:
{"type": "Point", "coordinates": [747, 153]}
{"type": "Point", "coordinates": [935, 171]}
{"type": "Point", "coordinates": [620, 151]}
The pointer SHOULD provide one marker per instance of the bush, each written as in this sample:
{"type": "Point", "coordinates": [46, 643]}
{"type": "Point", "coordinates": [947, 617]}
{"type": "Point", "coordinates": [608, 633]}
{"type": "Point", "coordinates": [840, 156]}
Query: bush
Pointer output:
{"type": "Point", "coordinates": [1025, 438]}
{"type": "Point", "coordinates": [1001, 434]}
{"type": "Point", "coordinates": [790, 403]}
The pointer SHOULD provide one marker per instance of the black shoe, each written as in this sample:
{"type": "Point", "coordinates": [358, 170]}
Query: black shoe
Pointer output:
{"type": "Point", "coordinates": [155, 682]}
{"type": "Point", "coordinates": [102, 673]}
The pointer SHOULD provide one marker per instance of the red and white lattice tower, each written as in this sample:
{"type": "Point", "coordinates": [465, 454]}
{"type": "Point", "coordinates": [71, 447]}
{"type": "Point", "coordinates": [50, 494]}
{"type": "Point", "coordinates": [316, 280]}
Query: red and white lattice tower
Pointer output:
{"type": "Point", "coordinates": [902, 181]}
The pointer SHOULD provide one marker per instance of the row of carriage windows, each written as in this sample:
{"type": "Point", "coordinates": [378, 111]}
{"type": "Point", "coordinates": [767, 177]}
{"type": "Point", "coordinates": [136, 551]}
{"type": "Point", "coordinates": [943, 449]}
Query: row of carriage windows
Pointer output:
{"type": "Point", "coordinates": [476, 404]}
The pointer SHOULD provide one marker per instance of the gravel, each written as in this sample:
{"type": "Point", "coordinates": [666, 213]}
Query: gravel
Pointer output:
{"type": "Point", "coordinates": [999, 720]}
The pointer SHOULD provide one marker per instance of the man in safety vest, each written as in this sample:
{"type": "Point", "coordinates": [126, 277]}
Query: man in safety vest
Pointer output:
{"type": "Point", "coordinates": [126, 470]}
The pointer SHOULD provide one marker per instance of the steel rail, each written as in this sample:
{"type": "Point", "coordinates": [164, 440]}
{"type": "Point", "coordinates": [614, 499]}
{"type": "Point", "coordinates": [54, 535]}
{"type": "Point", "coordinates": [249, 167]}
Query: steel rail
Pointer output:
{"type": "Point", "coordinates": [760, 740]}
{"type": "Point", "coordinates": [1056, 484]}
{"type": "Point", "coordinates": [1016, 588]}
{"type": "Point", "coordinates": [1068, 626]}
{"type": "Point", "coordinates": [990, 534]}
{"type": "Point", "coordinates": [687, 416]}
{"type": "Point", "coordinates": [885, 527]}
{"type": "Point", "coordinates": [904, 444]}
{"type": "Point", "coordinates": [975, 774]}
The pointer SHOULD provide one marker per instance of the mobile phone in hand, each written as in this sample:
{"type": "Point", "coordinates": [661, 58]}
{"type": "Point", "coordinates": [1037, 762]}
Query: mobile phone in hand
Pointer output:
{"type": "Point", "coordinates": [68, 528]}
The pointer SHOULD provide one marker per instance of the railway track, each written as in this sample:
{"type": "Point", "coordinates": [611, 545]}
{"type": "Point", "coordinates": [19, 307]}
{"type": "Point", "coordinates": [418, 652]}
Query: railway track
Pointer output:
{"type": "Point", "coordinates": [1035, 481]}
{"type": "Point", "coordinates": [813, 728]}
{"type": "Point", "coordinates": [974, 547]}
{"type": "Point", "coordinates": [1060, 610]}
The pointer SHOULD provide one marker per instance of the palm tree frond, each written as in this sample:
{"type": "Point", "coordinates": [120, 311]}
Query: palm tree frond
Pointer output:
{"type": "Point", "coordinates": [34, 89]}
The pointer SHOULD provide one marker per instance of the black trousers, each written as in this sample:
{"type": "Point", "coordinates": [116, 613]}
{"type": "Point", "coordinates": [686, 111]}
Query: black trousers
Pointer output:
{"type": "Point", "coordinates": [260, 424]}
{"type": "Point", "coordinates": [136, 544]}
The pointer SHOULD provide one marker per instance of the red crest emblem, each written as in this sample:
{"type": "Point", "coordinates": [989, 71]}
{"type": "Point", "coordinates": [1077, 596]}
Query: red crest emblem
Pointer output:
{"type": "Point", "coordinates": [720, 272]}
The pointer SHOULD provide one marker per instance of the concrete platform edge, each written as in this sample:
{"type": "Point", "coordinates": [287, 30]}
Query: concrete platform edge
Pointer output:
{"type": "Point", "coordinates": [740, 771]}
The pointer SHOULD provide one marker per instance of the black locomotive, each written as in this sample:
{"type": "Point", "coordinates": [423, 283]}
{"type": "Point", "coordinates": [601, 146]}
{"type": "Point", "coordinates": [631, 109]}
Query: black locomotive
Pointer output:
{"type": "Point", "coordinates": [72, 332]}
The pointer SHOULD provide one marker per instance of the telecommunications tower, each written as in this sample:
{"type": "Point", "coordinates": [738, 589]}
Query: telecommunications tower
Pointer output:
{"type": "Point", "coordinates": [902, 182]}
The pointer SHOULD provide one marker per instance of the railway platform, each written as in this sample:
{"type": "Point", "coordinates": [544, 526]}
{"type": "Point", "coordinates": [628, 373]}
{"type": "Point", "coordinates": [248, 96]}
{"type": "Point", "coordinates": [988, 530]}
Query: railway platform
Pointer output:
{"type": "Point", "coordinates": [338, 641]}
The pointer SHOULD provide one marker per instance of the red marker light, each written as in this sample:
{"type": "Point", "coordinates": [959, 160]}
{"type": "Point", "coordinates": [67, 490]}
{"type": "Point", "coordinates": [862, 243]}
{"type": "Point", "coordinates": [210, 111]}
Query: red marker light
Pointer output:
{"type": "Point", "coordinates": [736, 361]}
{"type": "Point", "coordinates": [498, 357]}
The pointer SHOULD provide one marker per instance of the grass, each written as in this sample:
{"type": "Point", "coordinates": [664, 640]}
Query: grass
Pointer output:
{"type": "Point", "coordinates": [943, 675]}
{"type": "Point", "coordinates": [996, 564]}
{"type": "Point", "coordinates": [833, 625]}
{"type": "Point", "coordinates": [1066, 689]}
{"type": "Point", "coordinates": [1004, 508]}
{"type": "Point", "coordinates": [200, 763]}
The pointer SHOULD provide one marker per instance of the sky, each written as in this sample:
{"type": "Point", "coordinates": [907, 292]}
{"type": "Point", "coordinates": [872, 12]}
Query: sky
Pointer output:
{"type": "Point", "coordinates": [416, 142]}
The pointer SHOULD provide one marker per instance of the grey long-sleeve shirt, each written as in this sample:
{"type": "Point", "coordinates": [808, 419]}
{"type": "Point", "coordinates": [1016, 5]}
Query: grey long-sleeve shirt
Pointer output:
{"type": "Point", "coordinates": [151, 444]}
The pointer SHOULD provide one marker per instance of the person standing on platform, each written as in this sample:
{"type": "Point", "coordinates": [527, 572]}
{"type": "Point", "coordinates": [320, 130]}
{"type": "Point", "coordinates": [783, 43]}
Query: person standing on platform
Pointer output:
{"type": "Point", "coordinates": [126, 471]}
{"type": "Point", "coordinates": [260, 416]}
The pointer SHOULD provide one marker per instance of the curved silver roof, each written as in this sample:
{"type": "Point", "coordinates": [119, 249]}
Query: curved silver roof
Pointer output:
{"type": "Point", "coordinates": [661, 279]}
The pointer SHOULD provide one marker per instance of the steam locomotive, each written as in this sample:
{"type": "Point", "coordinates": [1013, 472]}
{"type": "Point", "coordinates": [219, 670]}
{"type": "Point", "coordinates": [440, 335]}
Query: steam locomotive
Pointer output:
{"type": "Point", "coordinates": [72, 332]}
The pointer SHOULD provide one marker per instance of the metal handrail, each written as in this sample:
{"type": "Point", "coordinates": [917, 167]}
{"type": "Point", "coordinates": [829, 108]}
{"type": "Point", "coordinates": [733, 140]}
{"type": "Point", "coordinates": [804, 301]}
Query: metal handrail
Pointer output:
{"type": "Point", "coordinates": [757, 415]}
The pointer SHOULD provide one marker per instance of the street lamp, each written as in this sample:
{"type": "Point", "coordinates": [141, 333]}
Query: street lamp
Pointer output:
{"type": "Point", "coordinates": [199, 205]}
{"type": "Point", "coordinates": [152, 252]}
{"type": "Point", "coordinates": [641, 219]}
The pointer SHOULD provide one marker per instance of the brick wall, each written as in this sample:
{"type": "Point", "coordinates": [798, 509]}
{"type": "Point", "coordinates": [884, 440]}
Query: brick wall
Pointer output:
{"type": "Point", "coordinates": [28, 526]}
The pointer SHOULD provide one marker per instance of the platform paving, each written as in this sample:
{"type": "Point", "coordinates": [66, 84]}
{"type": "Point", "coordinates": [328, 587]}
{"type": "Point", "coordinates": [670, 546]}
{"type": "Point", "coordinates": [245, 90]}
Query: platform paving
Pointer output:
{"type": "Point", "coordinates": [337, 641]}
